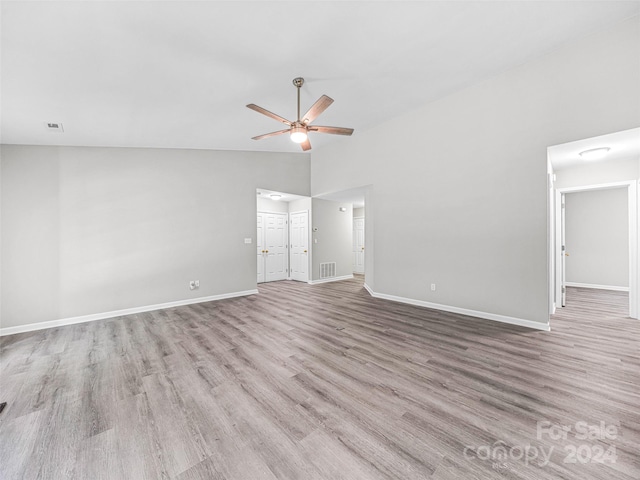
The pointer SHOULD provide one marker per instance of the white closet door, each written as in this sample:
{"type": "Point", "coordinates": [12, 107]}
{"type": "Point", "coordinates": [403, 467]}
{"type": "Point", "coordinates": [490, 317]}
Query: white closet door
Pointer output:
{"type": "Point", "coordinates": [358, 245]}
{"type": "Point", "coordinates": [272, 241]}
{"type": "Point", "coordinates": [299, 223]}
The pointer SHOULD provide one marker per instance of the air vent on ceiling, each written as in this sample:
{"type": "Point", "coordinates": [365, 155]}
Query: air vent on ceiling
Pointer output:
{"type": "Point", "coordinates": [54, 127]}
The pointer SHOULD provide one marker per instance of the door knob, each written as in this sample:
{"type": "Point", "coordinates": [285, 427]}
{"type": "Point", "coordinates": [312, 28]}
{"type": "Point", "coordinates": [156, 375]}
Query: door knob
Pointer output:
{"type": "Point", "coordinates": [363, 248]}
{"type": "Point", "coordinates": [266, 251]}
{"type": "Point", "coordinates": [566, 254]}
{"type": "Point", "coordinates": [305, 251]}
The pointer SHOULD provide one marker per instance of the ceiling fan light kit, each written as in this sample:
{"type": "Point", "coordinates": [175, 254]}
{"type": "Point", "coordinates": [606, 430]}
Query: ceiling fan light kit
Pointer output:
{"type": "Point", "coordinates": [299, 130]}
{"type": "Point", "coordinates": [298, 133]}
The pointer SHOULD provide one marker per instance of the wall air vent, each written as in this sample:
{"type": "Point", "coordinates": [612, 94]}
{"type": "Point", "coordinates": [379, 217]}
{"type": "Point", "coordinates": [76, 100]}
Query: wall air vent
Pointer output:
{"type": "Point", "coordinates": [54, 127]}
{"type": "Point", "coordinates": [327, 270]}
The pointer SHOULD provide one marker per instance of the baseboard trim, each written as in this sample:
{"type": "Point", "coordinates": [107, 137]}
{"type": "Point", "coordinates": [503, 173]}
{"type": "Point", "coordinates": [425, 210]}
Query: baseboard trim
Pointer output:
{"type": "Point", "coordinates": [598, 287]}
{"type": "Point", "coordinates": [332, 279]}
{"type": "Point", "coordinates": [462, 311]}
{"type": "Point", "coordinates": [118, 313]}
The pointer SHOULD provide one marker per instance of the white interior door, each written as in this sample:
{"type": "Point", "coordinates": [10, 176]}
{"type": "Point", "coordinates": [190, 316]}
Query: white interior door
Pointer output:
{"type": "Point", "coordinates": [358, 245]}
{"type": "Point", "coordinates": [563, 254]}
{"type": "Point", "coordinates": [276, 246]}
{"type": "Point", "coordinates": [299, 223]}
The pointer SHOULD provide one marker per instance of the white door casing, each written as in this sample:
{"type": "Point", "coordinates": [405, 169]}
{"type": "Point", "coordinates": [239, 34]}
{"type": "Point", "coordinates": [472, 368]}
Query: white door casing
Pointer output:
{"type": "Point", "coordinates": [299, 223]}
{"type": "Point", "coordinates": [358, 245]}
{"type": "Point", "coordinates": [260, 247]}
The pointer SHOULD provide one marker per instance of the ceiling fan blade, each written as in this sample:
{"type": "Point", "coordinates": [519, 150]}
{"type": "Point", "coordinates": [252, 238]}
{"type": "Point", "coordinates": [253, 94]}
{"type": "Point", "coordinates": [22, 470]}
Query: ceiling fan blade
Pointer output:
{"type": "Point", "coordinates": [261, 110]}
{"type": "Point", "coordinates": [272, 134]}
{"type": "Point", "coordinates": [316, 109]}
{"type": "Point", "coordinates": [306, 145]}
{"type": "Point", "coordinates": [332, 130]}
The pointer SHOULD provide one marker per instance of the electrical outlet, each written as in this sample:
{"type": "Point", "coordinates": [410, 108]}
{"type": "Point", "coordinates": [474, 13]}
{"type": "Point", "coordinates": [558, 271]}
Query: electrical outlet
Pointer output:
{"type": "Point", "coordinates": [197, 283]}
{"type": "Point", "coordinates": [192, 285]}
{"type": "Point", "coordinates": [433, 287]}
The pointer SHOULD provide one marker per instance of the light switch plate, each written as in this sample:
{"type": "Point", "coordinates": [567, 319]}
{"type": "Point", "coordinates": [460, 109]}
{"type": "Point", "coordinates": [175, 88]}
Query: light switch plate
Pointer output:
{"type": "Point", "coordinates": [247, 240]}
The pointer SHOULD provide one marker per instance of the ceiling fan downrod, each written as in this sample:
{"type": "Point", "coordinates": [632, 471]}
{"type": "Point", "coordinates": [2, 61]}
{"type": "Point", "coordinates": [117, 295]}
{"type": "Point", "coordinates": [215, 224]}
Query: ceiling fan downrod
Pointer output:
{"type": "Point", "coordinates": [298, 82]}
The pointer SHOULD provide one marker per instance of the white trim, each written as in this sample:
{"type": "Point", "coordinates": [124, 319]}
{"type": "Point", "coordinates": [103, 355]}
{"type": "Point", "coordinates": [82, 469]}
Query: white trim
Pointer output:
{"type": "Point", "coordinates": [599, 186]}
{"type": "Point", "coordinates": [333, 279]}
{"type": "Point", "coordinates": [118, 313]}
{"type": "Point", "coordinates": [462, 311]}
{"type": "Point", "coordinates": [368, 289]}
{"type": "Point", "coordinates": [599, 287]}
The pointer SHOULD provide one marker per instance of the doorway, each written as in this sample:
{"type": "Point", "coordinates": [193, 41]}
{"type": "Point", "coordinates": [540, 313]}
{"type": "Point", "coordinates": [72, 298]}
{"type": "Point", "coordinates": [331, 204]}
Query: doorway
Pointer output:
{"type": "Point", "coordinates": [590, 168]}
{"type": "Point", "coordinates": [282, 236]}
{"type": "Point", "coordinates": [597, 261]}
{"type": "Point", "coordinates": [358, 257]}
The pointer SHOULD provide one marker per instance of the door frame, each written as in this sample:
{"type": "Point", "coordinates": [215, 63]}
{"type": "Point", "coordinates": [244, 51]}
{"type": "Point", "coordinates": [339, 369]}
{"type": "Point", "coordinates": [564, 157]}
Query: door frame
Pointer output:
{"type": "Point", "coordinates": [632, 190]}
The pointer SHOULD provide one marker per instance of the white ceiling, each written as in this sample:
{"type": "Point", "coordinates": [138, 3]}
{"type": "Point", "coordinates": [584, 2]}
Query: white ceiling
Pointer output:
{"type": "Point", "coordinates": [624, 145]}
{"type": "Point", "coordinates": [179, 74]}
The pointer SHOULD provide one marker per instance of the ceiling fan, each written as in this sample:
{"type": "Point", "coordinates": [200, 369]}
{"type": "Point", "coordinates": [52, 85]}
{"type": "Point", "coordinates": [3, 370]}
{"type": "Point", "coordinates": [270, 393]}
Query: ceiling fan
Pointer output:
{"type": "Point", "coordinates": [299, 130]}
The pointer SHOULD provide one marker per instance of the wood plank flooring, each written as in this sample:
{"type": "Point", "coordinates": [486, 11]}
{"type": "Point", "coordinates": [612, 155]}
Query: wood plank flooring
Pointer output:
{"type": "Point", "coordinates": [323, 382]}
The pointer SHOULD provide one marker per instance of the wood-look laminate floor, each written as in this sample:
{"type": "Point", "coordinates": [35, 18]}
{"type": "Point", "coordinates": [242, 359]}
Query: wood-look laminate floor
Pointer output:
{"type": "Point", "coordinates": [323, 382]}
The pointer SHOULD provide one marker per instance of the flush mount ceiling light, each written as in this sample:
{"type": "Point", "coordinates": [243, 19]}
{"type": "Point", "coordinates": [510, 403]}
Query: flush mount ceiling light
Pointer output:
{"type": "Point", "coordinates": [275, 196]}
{"type": "Point", "coordinates": [299, 130]}
{"type": "Point", "coordinates": [595, 153]}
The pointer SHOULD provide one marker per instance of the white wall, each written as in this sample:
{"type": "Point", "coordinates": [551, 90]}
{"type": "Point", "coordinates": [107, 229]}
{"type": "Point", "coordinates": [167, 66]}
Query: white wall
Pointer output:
{"type": "Point", "coordinates": [597, 237]}
{"type": "Point", "coordinates": [598, 173]}
{"type": "Point", "coordinates": [463, 180]}
{"type": "Point", "coordinates": [92, 230]}
{"type": "Point", "coordinates": [272, 206]}
{"type": "Point", "coordinates": [334, 236]}
{"type": "Point", "coordinates": [300, 205]}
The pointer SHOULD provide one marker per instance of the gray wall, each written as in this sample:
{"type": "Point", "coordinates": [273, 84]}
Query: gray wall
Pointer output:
{"type": "Point", "coordinates": [334, 236]}
{"type": "Point", "coordinates": [597, 237]}
{"type": "Point", "coordinates": [463, 179]}
{"type": "Point", "coordinates": [93, 230]}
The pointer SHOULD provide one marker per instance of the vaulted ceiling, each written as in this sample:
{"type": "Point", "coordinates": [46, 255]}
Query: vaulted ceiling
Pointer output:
{"type": "Point", "coordinates": [179, 74]}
